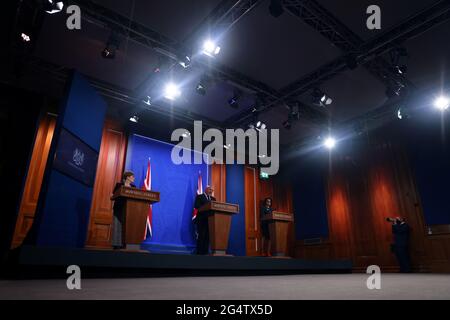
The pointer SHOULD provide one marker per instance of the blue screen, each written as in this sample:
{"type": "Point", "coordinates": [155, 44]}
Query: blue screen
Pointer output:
{"type": "Point", "coordinates": [75, 158]}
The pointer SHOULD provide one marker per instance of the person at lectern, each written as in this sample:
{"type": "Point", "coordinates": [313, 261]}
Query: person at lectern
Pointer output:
{"type": "Point", "coordinates": [202, 220]}
{"type": "Point", "coordinates": [117, 230]}
{"type": "Point", "coordinates": [266, 209]}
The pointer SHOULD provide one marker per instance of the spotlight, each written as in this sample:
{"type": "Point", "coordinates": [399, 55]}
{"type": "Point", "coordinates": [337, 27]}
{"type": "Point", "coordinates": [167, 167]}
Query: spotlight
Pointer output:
{"type": "Point", "coordinates": [171, 91]}
{"type": "Point", "coordinates": [147, 101]}
{"type": "Point", "coordinates": [320, 98]}
{"type": "Point", "coordinates": [287, 124]}
{"type": "Point", "coordinates": [398, 60]}
{"type": "Point", "coordinates": [201, 89]}
{"type": "Point", "coordinates": [201, 86]}
{"type": "Point", "coordinates": [227, 146]}
{"type": "Point", "coordinates": [186, 134]}
{"type": "Point", "coordinates": [233, 101]}
{"type": "Point", "coordinates": [260, 125]}
{"type": "Point", "coordinates": [134, 119]}
{"type": "Point", "coordinates": [276, 8]}
{"type": "Point", "coordinates": [330, 143]}
{"type": "Point", "coordinates": [402, 113]}
{"type": "Point", "coordinates": [25, 37]}
{"type": "Point", "coordinates": [442, 103]}
{"type": "Point", "coordinates": [52, 6]}
{"type": "Point", "coordinates": [185, 61]}
{"type": "Point", "coordinates": [210, 48]}
{"type": "Point", "coordinates": [112, 45]}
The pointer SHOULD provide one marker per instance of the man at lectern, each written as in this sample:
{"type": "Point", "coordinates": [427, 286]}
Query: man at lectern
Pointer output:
{"type": "Point", "coordinates": [117, 230]}
{"type": "Point", "coordinates": [202, 220]}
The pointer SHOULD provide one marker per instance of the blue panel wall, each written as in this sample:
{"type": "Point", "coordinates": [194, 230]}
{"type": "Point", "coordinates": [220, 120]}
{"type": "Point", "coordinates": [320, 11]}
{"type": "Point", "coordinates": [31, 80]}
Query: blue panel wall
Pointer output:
{"type": "Point", "coordinates": [235, 186]}
{"type": "Point", "coordinates": [62, 216]}
{"type": "Point", "coordinates": [309, 200]}
{"type": "Point", "coordinates": [173, 230]}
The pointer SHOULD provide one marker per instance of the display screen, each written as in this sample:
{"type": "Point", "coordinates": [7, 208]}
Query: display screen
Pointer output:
{"type": "Point", "coordinates": [75, 158]}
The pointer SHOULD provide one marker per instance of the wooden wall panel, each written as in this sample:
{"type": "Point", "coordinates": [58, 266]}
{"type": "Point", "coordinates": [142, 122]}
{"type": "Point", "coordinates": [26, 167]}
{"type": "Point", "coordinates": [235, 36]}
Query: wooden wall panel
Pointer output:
{"type": "Point", "coordinates": [109, 172]}
{"type": "Point", "coordinates": [218, 181]}
{"type": "Point", "coordinates": [339, 219]}
{"type": "Point", "coordinates": [281, 195]}
{"type": "Point", "coordinates": [34, 178]}
{"type": "Point", "coordinates": [252, 219]}
{"type": "Point", "coordinates": [362, 191]}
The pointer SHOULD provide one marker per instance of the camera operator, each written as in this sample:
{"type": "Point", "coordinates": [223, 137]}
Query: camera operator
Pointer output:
{"type": "Point", "coordinates": [400, 247]}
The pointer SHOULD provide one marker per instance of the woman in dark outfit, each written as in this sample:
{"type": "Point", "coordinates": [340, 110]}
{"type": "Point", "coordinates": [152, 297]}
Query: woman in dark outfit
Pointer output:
{"type": "Point", "coordinates": [117, 230]}
{"type": "Point", "coordinates": [265, 210]}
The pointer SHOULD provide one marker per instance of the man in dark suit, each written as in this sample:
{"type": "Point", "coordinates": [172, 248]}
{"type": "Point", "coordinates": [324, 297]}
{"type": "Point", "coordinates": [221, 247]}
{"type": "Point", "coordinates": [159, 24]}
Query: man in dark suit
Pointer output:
{"type": "Point", "coordinates": [400, 231]}
{"type": "Point", "coordinates": [202, 220]}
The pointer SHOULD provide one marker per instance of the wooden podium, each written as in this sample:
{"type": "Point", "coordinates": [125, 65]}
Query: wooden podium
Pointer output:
{"type": "Point", "coordinates": [135, 212]}
{"type": "Point", "coordinates": [278, 229]}
{"type": "Point", "coordinates": [219, 223]}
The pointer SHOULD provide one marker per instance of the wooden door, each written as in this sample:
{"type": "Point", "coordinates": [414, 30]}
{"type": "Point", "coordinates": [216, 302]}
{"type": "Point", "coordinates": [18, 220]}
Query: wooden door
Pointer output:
{"type": "Point", "coordinates": [109, 171]}
{"type": "Point", "coordinates": [34, 178]}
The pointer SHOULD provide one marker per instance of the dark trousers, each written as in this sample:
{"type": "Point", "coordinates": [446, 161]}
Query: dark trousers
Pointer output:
{"type": "Point", "coordinates": [203, 235]}
{"type": "Point", "coordinates": [402, 255]}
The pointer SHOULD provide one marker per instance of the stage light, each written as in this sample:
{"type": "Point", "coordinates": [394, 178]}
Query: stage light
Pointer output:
{"type": "Point", "coordinates": [227, 146]}
{"type": "Point", "coordinates": [134, 119]}
{"type": "Point", "coordinates": [320, 98]}
{"type": "Point", "coordinates": [233, 101]}
{"type": "Point", "coordinates": [52, 6]}
{"type": "Point", "coordinates": [442, 103]}
{"type": "Point", "coordinates": [276, 8]}
{"type": "Point", "coordinates": [402, 113]}
{"type": "Point", "coordinates": [202, 85]}
{"type": "Point", "coordinates": [147, 101]}
{"type": "Point", "coordinates": [398, 59]}
{"type": "Point", "coordinates": [330, 143]}
{"type": "Point", "coordinates": [186, 134]}
{"type": "Point", "coordinates": [210, 48]}
{"type": "Point", "coordinates": [201, 89]}
{"type": "Point", "coordinates": [25, 37]}
{"type": "Point", "coordinates": [260, 125]}
{"type": "Point", "coordinates": [287, 124]}
{"type": "Point", "coordinates": [185, 61]}
{"type": "Point", "coordinates": [171, 91]}
{"type": "Point", "coordinates": [112, 45]}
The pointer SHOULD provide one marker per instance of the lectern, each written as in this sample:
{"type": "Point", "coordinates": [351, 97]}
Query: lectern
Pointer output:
{"type": "Point", "coordinates": [278, 229]}
{"type": "Point", "coordinates": [135, 212]}
{"type": "Point", "coordinates": [219, 222]}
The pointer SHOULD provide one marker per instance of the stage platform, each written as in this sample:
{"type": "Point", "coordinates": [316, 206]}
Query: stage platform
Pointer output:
{"type": "Point", "coordinates": [30, 261]}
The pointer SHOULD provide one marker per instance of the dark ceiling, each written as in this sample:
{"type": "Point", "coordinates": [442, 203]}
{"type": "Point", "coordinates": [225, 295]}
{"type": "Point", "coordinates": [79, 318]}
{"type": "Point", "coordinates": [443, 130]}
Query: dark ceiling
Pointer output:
{"type": "Point", "coordinates": [275, 52]}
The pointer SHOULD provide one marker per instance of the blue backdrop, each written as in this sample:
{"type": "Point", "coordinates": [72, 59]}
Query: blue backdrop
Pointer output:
{"type": "Point", "coordinates": [173, 230]}
{"type": "Point", "coordinates": [62, 214]}
{"type": "Point", "coordinates": [235, 185]}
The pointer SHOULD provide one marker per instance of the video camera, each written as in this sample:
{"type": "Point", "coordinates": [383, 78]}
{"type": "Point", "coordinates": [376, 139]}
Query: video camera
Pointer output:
{"type": "Point", "coordinates": [395, 220]}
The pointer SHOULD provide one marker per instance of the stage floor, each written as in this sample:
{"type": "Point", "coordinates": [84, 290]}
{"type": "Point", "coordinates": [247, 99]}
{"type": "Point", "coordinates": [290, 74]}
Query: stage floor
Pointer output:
{"type": "Point", "coordinates": [52, 262]}
{"type": "Point", "coordinates": [287, 287]}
